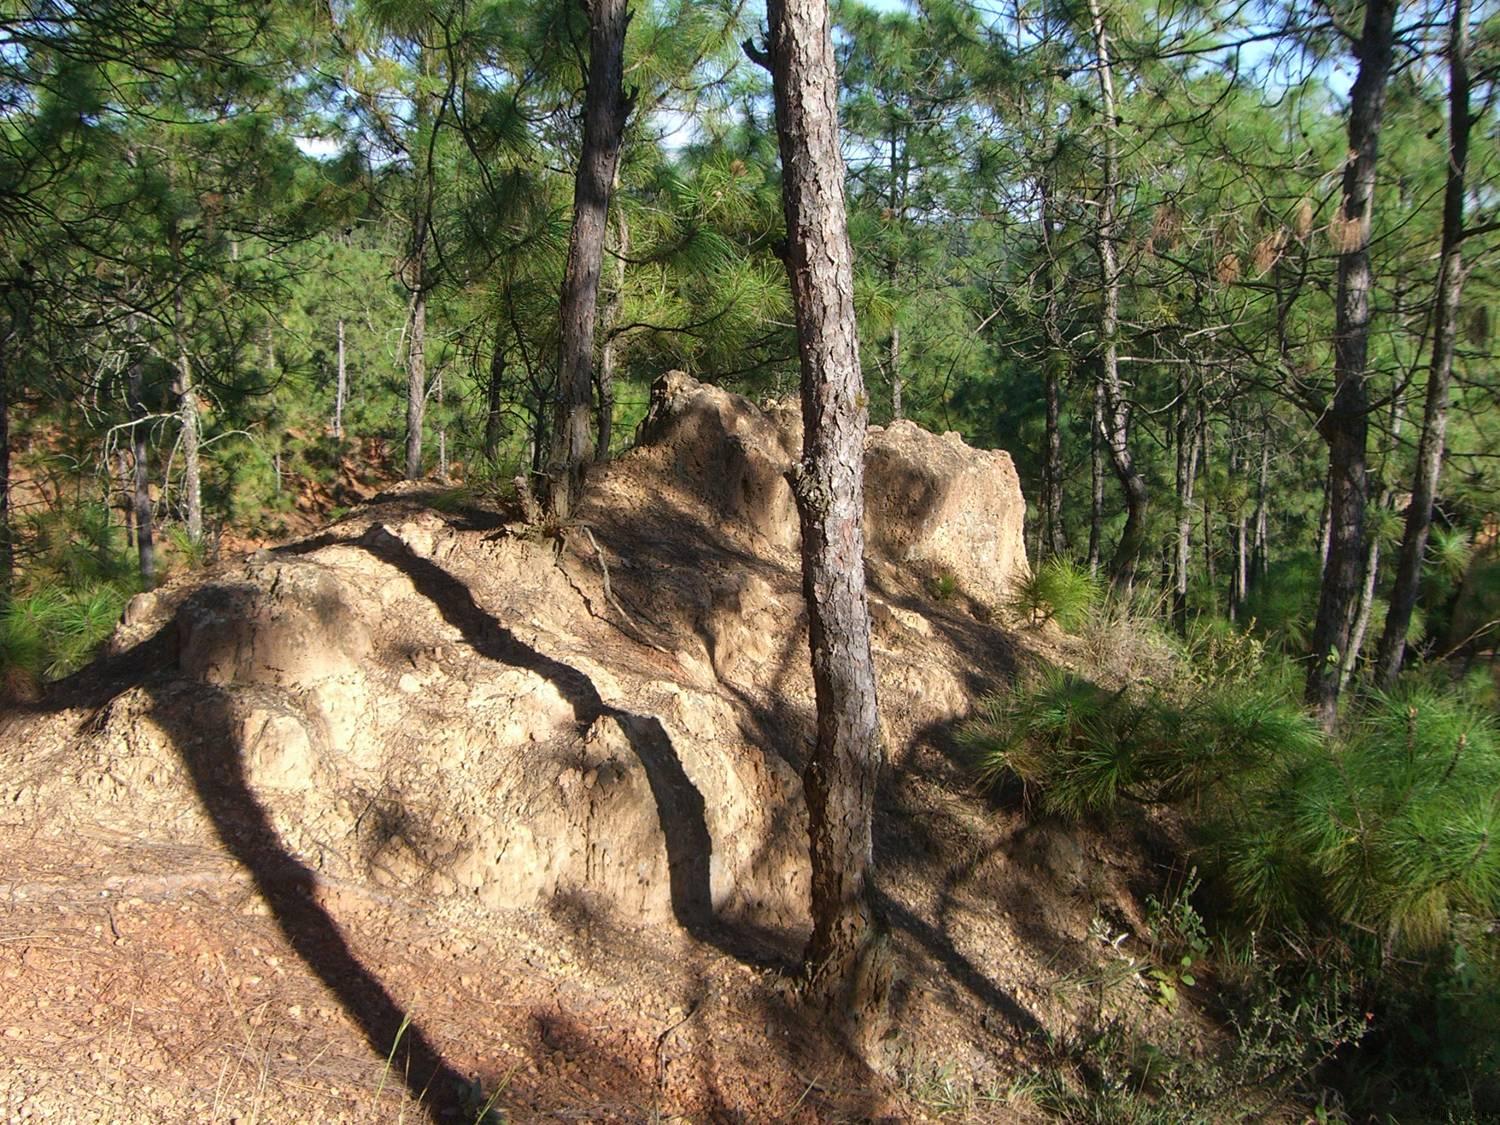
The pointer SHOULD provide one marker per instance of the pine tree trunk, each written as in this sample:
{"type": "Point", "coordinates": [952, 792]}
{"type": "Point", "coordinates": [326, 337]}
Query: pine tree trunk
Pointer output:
{"type": "Point", "coordinates": [442, 466]}
{"type": "Point", "coordinates": [1096, 480]}
{"type": "Point", "coordinates": [341, 392]}
{"type": "Point", "coordinates": [494, 419]}
{"type": "Point", "coordinates": [1345, 424]}
{"type": "Point", "coordinates": [1260, 558]}
{"type": "Point", "coordinates": [841, 776]}
{"type": "Point", "coordinates": [145, 539]}
{"type": "Point", "coordinates": [1408, 581]}
{"type": "Point", "coordinates": [187, 411]}
{"type": "Point", "coordinates": [1363, 609]}
{"type": "Point", "coordinates": [1053, 536]}
{"type": "Point", "coordinates": [7, 551]}
{"type": "Point", "coordinates": [1239, 581]}
{"type": "Point", "coordinates": [605, 110]}
{"type": "Point", "coordinates": [1210, 572]}
{"type": "Point", "coordinates": [1116, 408]}
{"type": "Point", "coordinates": [897, 407]}
{"type": "Point", "coordinates": [608, 348]}
{"type": "Point", "coordinates": [1055, 365]}
{"type": "Point", "coordinates": [127, 502]}
{"type": "Point", "coordinates": [416, 383]}
{"type": "Point", "coordinates": [1188, 435]}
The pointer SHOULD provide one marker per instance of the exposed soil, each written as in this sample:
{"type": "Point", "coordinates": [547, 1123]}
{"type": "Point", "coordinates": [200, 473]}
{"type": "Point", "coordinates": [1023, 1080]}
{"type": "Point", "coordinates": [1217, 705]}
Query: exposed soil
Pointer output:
{"type": "Point", "coordinates": [430, 809]}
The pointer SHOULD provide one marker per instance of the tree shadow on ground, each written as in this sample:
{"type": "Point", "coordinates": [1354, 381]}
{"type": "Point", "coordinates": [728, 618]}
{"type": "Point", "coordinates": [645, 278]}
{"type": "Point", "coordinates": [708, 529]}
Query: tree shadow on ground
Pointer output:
{"type": "Point", "coordinates": [202, 729]}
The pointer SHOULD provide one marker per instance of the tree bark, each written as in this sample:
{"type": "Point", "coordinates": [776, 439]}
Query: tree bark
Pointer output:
{"type": "Point", "coordinates": [1345, 423]}
{"type": "Point", "coordinates": [841, 776]}
{"type": "Point", "coordinates": [605, 111]}
{"type": "Point", "coordinates": [341, 392]}
{"type": "Point", "coordinates": [1450, 279]}
{"type": "Point", "coordinates": [1116, 409]}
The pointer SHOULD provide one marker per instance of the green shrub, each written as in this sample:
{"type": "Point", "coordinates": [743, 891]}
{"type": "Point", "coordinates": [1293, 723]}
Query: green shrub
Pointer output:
{"type": "Point", "coordinates": [49, 634]}
{"type": "Point", "coordinates": [1058, 590]}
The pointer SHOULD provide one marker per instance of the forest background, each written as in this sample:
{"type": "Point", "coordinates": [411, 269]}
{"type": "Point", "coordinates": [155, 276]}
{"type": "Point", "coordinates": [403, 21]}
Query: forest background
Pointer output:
{"type": "Point", "coordinates": [1218, 276]}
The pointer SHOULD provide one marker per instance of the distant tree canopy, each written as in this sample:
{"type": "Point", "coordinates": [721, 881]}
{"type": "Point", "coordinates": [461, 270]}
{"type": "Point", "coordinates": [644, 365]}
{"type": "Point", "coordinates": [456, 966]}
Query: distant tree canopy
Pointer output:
{"type": "Point", "coordinates": [1239, 368]}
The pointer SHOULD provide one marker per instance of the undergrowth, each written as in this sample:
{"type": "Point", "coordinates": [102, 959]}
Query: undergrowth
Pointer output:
{"type": "Point", "coordinates": [76, 580]}
{"type": "Point", "coordinates": [1355, 880]}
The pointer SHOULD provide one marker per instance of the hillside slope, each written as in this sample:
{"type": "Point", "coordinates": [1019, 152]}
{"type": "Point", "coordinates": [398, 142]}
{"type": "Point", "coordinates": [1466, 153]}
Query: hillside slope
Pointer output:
{"type": "Point", "coordinates": [432, 802]}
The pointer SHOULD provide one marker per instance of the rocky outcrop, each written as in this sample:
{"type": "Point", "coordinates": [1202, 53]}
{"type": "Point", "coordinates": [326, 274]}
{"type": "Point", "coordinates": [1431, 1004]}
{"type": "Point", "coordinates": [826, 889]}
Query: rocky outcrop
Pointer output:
{"type": "Point", "coordinates": [933, 504]}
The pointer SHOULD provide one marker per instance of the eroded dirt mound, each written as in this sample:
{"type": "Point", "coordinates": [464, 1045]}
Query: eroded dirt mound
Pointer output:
{"type": "Point", "coordinates": [933, 504]}
{"type": "Point", "coordinates": [527, 809]}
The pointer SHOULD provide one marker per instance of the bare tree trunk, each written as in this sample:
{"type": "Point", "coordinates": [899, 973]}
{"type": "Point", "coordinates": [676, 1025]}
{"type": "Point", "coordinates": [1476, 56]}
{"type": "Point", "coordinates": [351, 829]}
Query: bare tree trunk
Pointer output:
{"type": "Point", "coordinates": [341, 392]}
{"type": "Point", "coordinates": [1188, 436]}
{"type": "Point", "coordinates": [145, 539]}
{"type": "Point", "coordinates": [1117, 409]}
{"type": "Point", "coordinates": [608, 348]}
{"type": "Point", "coordinates": [841, 776]}
{"type": "Point", "coordinates": [1345, 424]}
{"type": "Point", "coordinates": [1392, 648]}
{"type": "Point", "coordinates": [1096, 481]}
{"type": "Point", "coordinates": [605, 111]}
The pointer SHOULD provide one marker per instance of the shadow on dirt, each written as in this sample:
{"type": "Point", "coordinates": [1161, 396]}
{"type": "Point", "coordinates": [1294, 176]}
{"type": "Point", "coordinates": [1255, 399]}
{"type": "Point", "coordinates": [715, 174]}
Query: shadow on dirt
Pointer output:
{"type": "Point", "coordinates": [679, 804]}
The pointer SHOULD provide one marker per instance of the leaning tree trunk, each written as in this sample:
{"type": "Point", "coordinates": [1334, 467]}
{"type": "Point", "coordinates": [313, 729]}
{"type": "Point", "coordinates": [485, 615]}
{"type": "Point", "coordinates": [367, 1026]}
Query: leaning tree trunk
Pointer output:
{"type": "Point", "coordinates": [1440, 370]}
{"type": "Point", "coordinates": [1116, 408]}
{"type": "Point", "coordinates": [604, 113]}
{"type": "Point", "coordinates": [1345, 424]}
{"type": "Point", "coordinates": [841, 775]}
